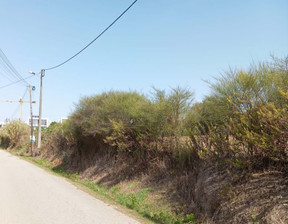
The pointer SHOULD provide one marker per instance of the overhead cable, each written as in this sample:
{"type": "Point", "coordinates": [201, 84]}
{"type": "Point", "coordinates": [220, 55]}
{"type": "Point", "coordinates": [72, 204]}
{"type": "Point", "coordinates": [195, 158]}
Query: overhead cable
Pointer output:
{"type": "Point", "coordinates": [94, 38]}
{"type": "Point", "coordinates": [5, 71]}
{"type": "Point", "coordinates": [27, 88]}
{"type": "Point", "coordinates": [10, 84]}
{"type": "Point", "coordinates": [6, 76]}
{"type": "Point", "coordinates": [9, 68]}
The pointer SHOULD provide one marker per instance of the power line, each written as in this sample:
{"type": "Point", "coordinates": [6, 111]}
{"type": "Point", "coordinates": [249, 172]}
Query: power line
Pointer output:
{"type": "Point", "coordinates": [10, 69]}
{"type": "Point", "coordinates": [10, 66]}
{"type": "Point", "coordinates": [6, 72]}
{"type": "Point", "coordinates": [94, 39]}
{"type": "Point", "coordinates": [27, 88]}
{"type": "Point", "coordinates": [1, 87]}
{"type": "Point", "coordinates": [6, 76]}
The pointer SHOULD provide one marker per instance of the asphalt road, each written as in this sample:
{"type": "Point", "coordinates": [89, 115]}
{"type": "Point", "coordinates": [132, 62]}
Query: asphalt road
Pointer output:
{"type": "Point", "coordinates": [30, 195]}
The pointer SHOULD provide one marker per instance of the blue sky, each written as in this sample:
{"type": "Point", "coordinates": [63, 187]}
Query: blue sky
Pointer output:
{"type": "Point", "coordinates": [161, 43]}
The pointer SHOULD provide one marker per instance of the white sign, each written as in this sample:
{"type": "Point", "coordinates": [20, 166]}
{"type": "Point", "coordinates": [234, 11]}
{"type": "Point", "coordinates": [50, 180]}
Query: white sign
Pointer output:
{"type": "Point", "coordinates": [32, 139]}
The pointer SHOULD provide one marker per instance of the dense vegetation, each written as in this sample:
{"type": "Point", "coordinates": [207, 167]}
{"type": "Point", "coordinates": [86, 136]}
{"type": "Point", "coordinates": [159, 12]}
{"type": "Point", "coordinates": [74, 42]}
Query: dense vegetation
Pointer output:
{"type": "Point", "coordinates": [240, 128]}
{"type": "Point", "coordinates": [243, 121]}
{"type": "Point", "coordinates": [245, 118]}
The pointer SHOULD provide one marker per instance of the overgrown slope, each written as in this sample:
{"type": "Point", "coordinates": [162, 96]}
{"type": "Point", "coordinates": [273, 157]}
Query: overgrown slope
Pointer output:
{"type": "Point", "coordinates": [224, 159]}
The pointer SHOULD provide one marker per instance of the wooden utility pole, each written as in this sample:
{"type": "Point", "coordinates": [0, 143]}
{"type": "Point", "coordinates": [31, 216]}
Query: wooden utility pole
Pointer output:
{"type": "Point", "coordinates": [40, 109]}
{"type": "Point", "coordinates": [31, 119]}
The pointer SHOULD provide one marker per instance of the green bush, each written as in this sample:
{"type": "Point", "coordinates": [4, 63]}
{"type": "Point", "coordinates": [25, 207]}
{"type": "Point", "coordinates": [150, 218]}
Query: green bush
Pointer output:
{"type": "Point", "coordinates": [58, 138]}
{"type": "Point", "coordinates": [245, 117]}
{"type": "Point", "coordinates": [95, 115]}
{"type": "Point", "coordinates": [15, 135]}
{"type": "Point", "coordinates": [131, 122]}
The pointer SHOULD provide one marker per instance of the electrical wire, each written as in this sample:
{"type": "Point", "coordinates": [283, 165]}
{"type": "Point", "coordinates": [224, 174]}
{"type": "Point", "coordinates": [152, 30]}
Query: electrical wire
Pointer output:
{"type": "Point", "coordinates": [10, 69]}
{"type": "Point", "coordinates": [1, 87]}
{"type": "Point", "coordinates": [6, 72]}
{"type": "Point", "coordinates": [6, 76]}
{"type": "Point", "coordinates": [93, 39]}
{"type": "Point", "coordinates": [10, 66]}
{"type": "Point", "coordinates": [25, 93]}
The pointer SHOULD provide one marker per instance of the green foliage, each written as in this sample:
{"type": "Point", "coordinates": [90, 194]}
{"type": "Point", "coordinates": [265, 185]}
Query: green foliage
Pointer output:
{"type": "Point", "coordinates": [138, 202]}
{"type": "Point", "coordinates": [51, 127]}
{"type": "Point", "coordinates": [14, 135]}
{"type": "Point", "coordinates": [244, 120]}
{"type": "Point", "coordinates": [171, 110]}
{"type": "Point", "coordinates": [58, 139]}
{"type": "Point", "coordinates": [254, 219]}
{"type": "Point", "coordinates": [189, 218]}
{"type": "Point", "coordinates": [133, 201]}
{"type": "Point", "coordinates": [245, 116]}
{"type": "Point", "coordinates": [95, 115]}
{"type": "Point", "coordinates": [131, 122]}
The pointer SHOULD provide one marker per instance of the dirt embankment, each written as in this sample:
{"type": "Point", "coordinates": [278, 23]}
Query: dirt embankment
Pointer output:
{"type": "Point", "coordinates": [214, 195]}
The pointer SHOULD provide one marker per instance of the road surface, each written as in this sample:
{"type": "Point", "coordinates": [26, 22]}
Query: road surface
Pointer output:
{"type": "Point", "coordinates": [30, 195]}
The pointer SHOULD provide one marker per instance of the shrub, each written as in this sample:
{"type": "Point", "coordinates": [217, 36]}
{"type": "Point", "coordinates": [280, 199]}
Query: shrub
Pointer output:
{"type": "Point", "coordinates": [245, 117]}
{"type": "Point", "coordinates": [95, 115]}
{"type": "Point", "coordinates": [14, 135]}
{"type": "Point", "coordinates": [58, 138]}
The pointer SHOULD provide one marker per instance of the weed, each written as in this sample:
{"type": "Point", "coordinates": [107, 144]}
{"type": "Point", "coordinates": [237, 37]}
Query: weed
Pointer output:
{"type": "Point", "coordinates": [115, 189]}
{"type": "Point", "coordinates": [133, 184]}
{"type": "Point", "coordinates": [254, 219]}
{"type": "Point", "coordinates": [189, 218]}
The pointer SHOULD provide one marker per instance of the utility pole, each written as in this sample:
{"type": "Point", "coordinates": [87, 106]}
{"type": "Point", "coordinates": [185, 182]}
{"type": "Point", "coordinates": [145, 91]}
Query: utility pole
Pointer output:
{"type": "Point", "coordinates": [21, 109]}
{"type": "Point", "coordinates": [31, 119]}
{"type": "Point", "coordinates": [40, 109]}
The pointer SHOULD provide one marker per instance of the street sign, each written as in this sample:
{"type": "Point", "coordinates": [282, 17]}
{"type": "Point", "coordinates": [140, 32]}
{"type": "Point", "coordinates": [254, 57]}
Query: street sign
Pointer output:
{"type": "Point", "coordinates": [32, 139]}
